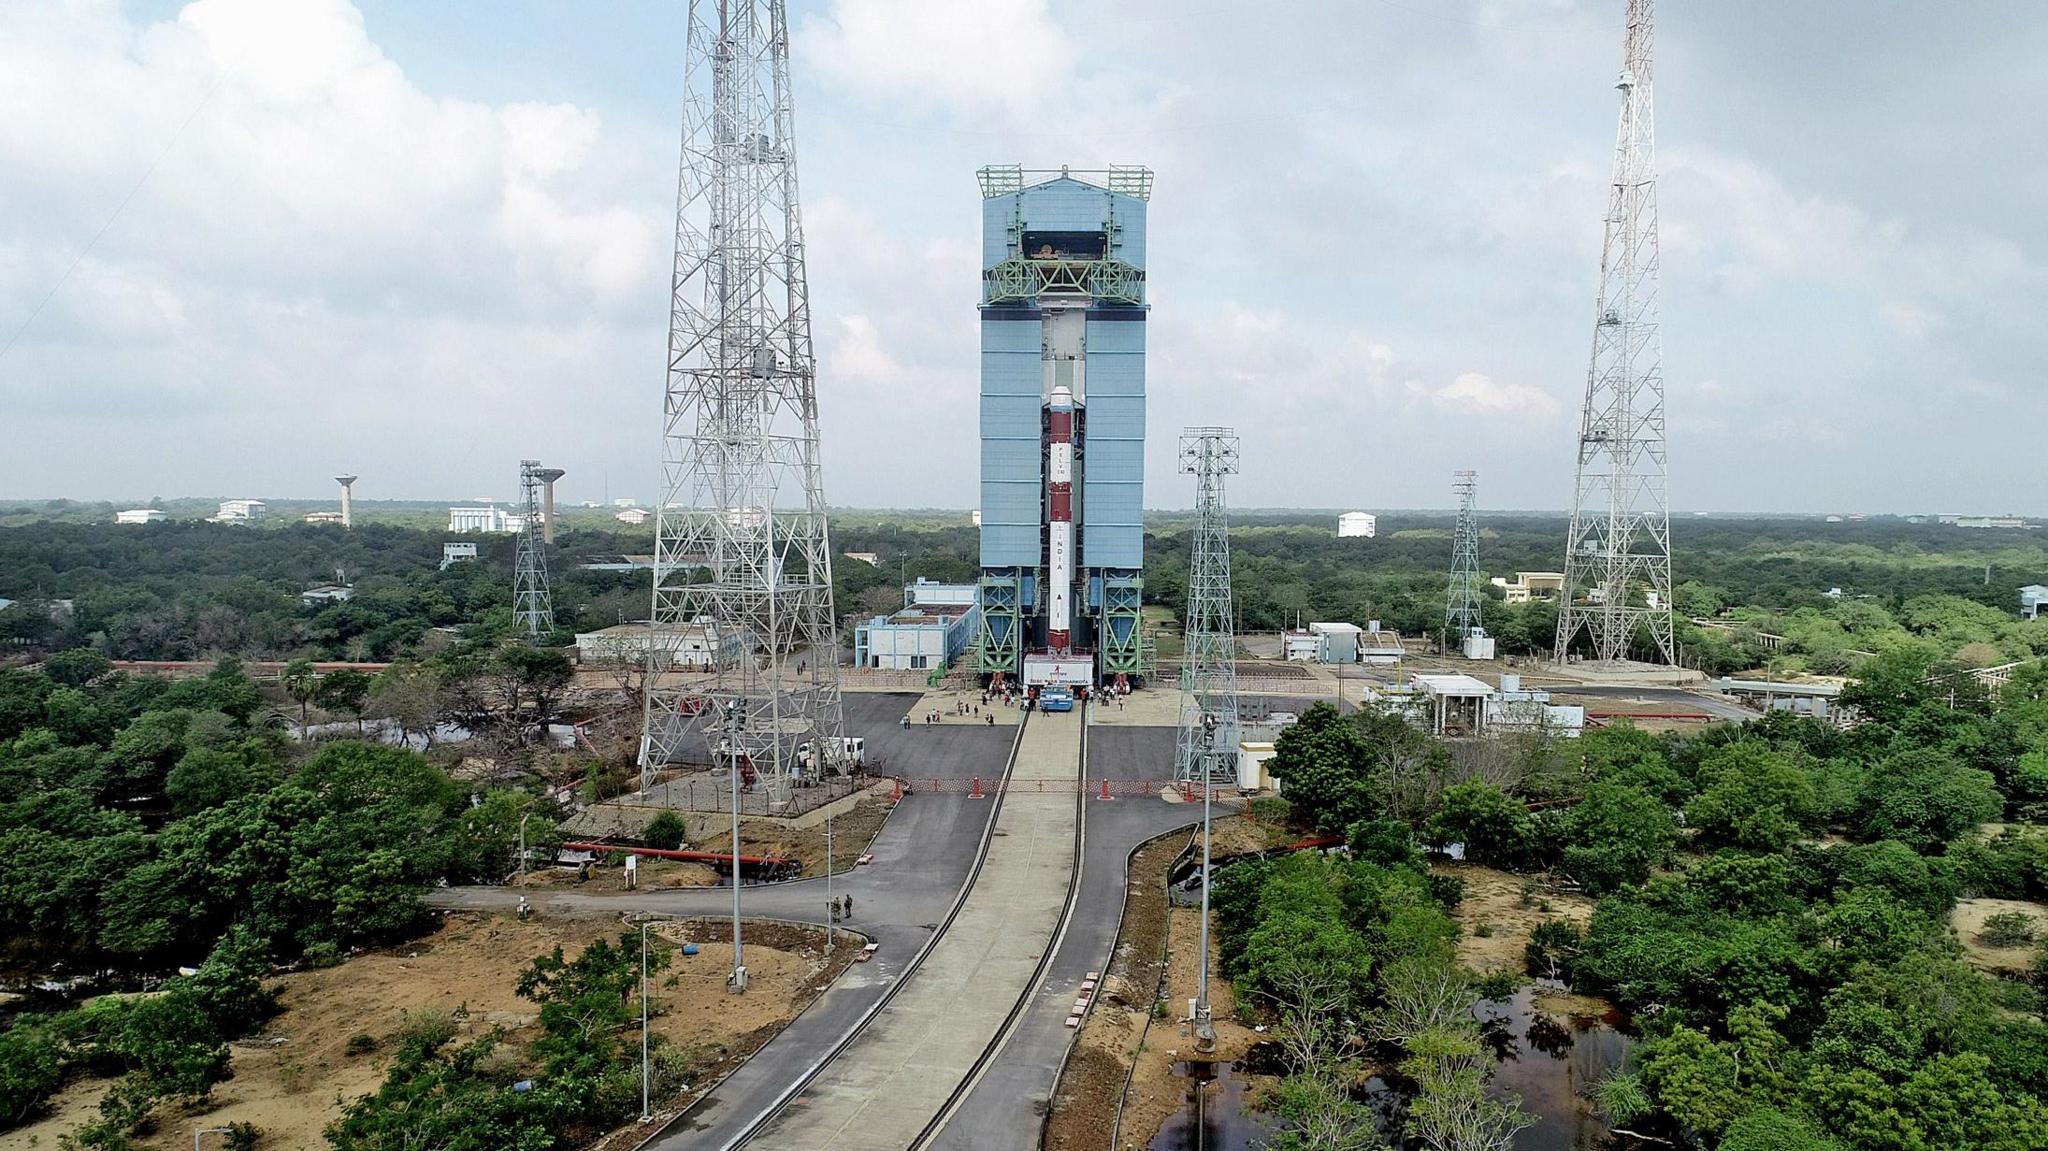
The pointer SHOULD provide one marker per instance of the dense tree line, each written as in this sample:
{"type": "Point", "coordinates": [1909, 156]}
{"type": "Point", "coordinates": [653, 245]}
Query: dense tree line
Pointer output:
{"type": "Point", "coordinates": [1773, 901]}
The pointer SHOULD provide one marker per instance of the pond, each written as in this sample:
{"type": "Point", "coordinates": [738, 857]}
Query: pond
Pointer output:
{"type": "Point", "coordinates": [1552, 1047]}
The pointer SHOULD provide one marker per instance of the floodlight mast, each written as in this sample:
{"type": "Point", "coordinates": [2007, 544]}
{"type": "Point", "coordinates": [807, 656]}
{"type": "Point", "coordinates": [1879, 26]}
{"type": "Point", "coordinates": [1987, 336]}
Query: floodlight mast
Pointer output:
{"type": "Point", "coordinates": [1461, 610]}
{"type": "Point", "coordinates": [742, 549]}
{"type": "Point", "coordinates": [531, 605]}
{"type": "Point", "coordinates": [1617, 560]}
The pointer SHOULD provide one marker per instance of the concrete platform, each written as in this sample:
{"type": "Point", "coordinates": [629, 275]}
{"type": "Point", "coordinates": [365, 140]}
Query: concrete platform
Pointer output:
{"type": "Point", "coordinates": [896, 1077]}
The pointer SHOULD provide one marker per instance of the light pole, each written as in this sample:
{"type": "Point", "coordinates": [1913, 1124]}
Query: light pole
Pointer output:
{"type": "Point", "coordinates": [1205, 1026]}
{"type": "Point", "coordinates": [522, 847]}
{"type": "Point", "coordinates": [735, 717]}
{"type": "Point", "coordinates": [646, 1078]}
{"type": "Point", "coordinates": [831, 921]}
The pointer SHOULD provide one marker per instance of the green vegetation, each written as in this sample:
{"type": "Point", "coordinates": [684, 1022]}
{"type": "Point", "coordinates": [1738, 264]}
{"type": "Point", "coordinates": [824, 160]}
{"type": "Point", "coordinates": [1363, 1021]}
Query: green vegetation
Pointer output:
{"type": "Point", "coordinates": [147, 823]}
{"type": "Point", "coordinates": [1773, 909]}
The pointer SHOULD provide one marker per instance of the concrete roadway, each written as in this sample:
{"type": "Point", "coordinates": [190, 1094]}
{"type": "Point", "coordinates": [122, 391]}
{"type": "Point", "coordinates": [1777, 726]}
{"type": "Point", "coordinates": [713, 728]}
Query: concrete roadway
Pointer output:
{"type": "Point", "coordinates": [1005, 1108]}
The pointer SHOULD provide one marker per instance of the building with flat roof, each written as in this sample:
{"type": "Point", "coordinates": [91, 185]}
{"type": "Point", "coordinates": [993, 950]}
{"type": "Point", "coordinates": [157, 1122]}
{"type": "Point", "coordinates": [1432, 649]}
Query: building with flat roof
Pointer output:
{"type": "Point", "coordinates": [692, 646]}
{"type": "Point", "coordinates": [1527, 586]}
{"type": "Point", "coordinates": [936, 626]}
{"type": "Point", "coordinates": [2032, 597]}
{"type": "Point", "coordinates": [1455, 704]}
{"type": "Point", "coordinates": [489, 519]}
{"type": "Point", "coordinates": [1357, 525]}
{"type": "Point", "coordinates": [241, 511]}
{"type": "Point", "coordinates": [633, 517]}
{"type": "Point", "coordinates": [321, 594]}
{"type": "Point", "coordinates": [138, 516]}
{"type": "Point", "coordinates": [455, 552]}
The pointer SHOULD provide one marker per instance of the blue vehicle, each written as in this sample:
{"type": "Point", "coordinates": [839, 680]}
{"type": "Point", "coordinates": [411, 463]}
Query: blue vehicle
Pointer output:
{"type": "Point", "coordinates": [1056, 699]}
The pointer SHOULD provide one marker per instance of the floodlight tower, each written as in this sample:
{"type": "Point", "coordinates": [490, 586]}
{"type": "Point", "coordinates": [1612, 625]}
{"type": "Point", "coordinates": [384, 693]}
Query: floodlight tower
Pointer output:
{"type": "Point", "coordinates": [1461, 611]}
{"type": "Point", "coordinates": [1617, 560]}
{"type": "Point", "coordinates": [741, 543]}
{"type": "Point", "coordinates": [530, 602]}
{"type": "Point", "coordinates": [1206, 750]}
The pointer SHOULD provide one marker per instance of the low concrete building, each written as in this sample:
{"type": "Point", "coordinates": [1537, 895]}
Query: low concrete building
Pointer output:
{"type": "Point", "coordinates": [489, 519]}
{"type": "Point", "coordinates": [1527, 586]}
{"type": "Point", "coordinates": [454, 552]}
{"type": "Point", "coordinates": [1380, 645]}
{"type": "Point", "coordinates": [2032, 597]}
{"type": "Point", "coordinates": [934, 628]}
{"type": "Point", "coordinates": [633, 517]}
{"type": "Point", "coordinates": [1455, 704]}
{"type": "Point", "coordinates": [694, 646]}
{"type": "Point", "coordinates": [1301, 645]}
{"type": "Point", "coordinates": [1357, 525]}
{"type": "Point", "coordinates": [1478, 645]}
{"type": "Point", "coordinates": [138, 516]}
{"type": "Point", "coordinates": [1254, 762]}
{"type": "Point", "coordinates": [321, 595]}
{"type": "Point", "coordinates": [868, 558]}
{"type": "Point", "coordinates": [325, 518]}
{"type": "Point", "coordinates": [1336, 642]}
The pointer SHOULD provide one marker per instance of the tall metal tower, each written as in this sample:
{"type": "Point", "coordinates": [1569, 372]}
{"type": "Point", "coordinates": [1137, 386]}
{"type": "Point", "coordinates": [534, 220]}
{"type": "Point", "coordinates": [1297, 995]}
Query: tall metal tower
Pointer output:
{"type": "Point", "coordinates": [530, 602]}
{"type": "Point", "coordinates": [1207, 744]}
{"type": "Point", "coordinates": [1617, 560]}
{"type": "Point", "coordinates": [741, 543]}
{"type": "Point", "coordinates": [1461, 613]}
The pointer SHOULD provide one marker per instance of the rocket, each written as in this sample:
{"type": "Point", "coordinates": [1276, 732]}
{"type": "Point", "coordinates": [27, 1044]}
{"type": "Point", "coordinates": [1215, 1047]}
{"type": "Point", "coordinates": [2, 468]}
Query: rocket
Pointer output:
{"type": "Point", "coordinates": [1059, 514]}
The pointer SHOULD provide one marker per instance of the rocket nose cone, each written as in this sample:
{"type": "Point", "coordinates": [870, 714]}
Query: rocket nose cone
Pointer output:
{"type": "Point", "coordinates": [1062, 396]}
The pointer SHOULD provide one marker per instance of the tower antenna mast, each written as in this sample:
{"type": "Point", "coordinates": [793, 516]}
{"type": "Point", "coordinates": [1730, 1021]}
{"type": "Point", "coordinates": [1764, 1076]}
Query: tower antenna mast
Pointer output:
{"type": "Point", "coordinates": [1206, 750]}
{"type": "Point", "coordinates": [742, 550]}
{"type": "Point", "coordinates": [1617, 560]}
{"type": "Point", "coordinates": [531, 605]}
{"type": "Point", "coordinates": [1461, 610]}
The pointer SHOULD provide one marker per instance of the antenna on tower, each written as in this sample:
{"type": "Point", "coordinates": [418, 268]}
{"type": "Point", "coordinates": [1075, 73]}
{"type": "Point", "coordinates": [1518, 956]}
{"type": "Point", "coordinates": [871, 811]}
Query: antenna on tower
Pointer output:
{"type": "Point", "coordinates": [1617, 560]}
{"type": "Point", "coordinates": [530, 603]}
{"type": "Point", "coordinates": [1461, 611]}
{"type": "Point", "coordinates": [742, 552]}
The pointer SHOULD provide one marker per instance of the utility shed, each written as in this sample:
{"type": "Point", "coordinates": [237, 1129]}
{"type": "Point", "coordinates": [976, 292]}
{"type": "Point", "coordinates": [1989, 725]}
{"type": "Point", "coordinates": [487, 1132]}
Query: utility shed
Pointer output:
{"type": "Point", "coordinates": [1457, 704]}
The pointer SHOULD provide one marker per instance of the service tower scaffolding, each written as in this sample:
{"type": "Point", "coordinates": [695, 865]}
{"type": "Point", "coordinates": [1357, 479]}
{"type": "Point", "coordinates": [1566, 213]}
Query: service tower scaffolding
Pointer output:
{"type": "Point", "coordinates": [1617, 560]}
{"type": "Point", "coordinates": [742, 549]}
{"type": "Point", "coordinates": [1206, 750]}
{"type": "Point", "coordinates": [531, 605]}
{"type": "Point", "coordinates": [1461, 610]}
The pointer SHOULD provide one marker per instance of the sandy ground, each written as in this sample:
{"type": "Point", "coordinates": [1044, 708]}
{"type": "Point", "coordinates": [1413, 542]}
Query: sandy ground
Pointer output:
{"type": "Point", "coordinates": [852, 833]}
{"type": "Point", "coordinates": [291, 1080]}
{"type": "Point", "coordinates": [1156, 1092]}
{"type": "Point", "coordinates": [1968, 919]}
{"type": "Point", "coordinates": [1494, 899]}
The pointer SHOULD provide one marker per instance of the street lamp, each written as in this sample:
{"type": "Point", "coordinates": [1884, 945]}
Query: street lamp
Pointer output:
{"type": "Point", "coordinates": [1205, 1025]}
{"type": "Point", "coordinates": [735, 719]}
{"type": "Point", "coordinates": [646, 917]}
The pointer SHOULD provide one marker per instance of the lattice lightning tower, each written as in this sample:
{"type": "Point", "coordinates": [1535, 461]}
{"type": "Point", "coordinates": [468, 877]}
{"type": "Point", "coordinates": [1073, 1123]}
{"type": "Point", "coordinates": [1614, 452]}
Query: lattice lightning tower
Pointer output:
{"type": "Point", "coordinates": [1617, 560]}
{"type": "Point", "coordinates": [741, 541]}
{"type": "Point", "coordinates": [530, 603]}
{"type": "Point", "coordinates": [1461, 613]}
{"type": "Point", "coordinates": [1207, 743]}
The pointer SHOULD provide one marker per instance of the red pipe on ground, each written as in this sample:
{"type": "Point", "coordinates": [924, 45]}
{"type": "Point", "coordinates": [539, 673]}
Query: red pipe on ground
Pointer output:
{"type": "Point", "coordinates": [724, 857]}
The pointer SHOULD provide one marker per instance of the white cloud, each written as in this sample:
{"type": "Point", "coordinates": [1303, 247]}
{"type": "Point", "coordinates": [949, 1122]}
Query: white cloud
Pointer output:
{"type": "Point", "coordinates": [985, 52]}
{"type": "Point", "coordinates": [1473, 393]}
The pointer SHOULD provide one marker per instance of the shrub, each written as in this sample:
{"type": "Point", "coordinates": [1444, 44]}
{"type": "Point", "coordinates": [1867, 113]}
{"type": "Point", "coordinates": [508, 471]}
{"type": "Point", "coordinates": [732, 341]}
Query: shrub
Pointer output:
{"type": "Point", "coordinates": [665, 832]}
{"type": "Point", "coordinates": [29, 1072]}
{"type": "Point", "coordinates": [2008, 929]}
{"type": "Point", "coordinates": [361, 1043]}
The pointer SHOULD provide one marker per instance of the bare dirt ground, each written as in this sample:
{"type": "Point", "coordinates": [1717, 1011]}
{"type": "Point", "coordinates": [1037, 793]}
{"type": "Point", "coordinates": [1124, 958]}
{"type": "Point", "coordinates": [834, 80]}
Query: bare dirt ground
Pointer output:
{"type": "Point", "coordinates": [1495, 900]}
{"type": "Point", "coordinates": [852, 833]}
{"type": "Point", "coordinates": [292, 1080]}
{"type": "Point", "coordinates": [1114, 1037]}
{"type": "Point", "coordinates": [1968, 920]}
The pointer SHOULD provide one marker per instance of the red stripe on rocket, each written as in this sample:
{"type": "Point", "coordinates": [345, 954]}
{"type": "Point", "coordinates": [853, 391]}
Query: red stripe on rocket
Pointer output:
{"type": "Point", "coordinates": [1060, 519]}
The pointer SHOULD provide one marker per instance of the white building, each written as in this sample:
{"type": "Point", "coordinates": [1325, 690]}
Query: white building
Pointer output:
{"type": "Point", "coordinates": [241, 511]}
{"type": "Point", "coordinates": [935, 628]}
{"type": "Point", "coordinates": [689, 646]}
{"type": "Point", "coordinates": [455, 553]}
{"type": "Point", "coordinates": [488, 518]}
{"type": "Point", "coordinates": [623, 502]}
{"type": "Point", "coordinates": [1527, 586]}
{"type": "Point", "coordinates": [138, 516]}
{"type": "Point", "coordinates": [2032, 597]}
{"type": "Point", "coordinates": [1360, 525]}
{"type": "Point", "coordinates": [633, 516]}
{"type": "Point", "coordinates": [326, 593]}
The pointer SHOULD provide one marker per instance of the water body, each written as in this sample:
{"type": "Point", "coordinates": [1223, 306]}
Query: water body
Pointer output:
{"type": "Point", "coordinates": [1552, 1048]}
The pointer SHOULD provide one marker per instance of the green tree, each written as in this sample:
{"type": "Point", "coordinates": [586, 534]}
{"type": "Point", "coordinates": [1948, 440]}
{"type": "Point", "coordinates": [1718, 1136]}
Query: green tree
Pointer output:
{"type": "Point", "coordinates": [1751, 797]}
{"type": "Point", "coordinates": [1325, 764]}
{"type": "Point", "coordinates": [77, 667]}
{"type": "Point", "coordinates": [1496, 829]}
{"type": "Point", "coordinates": [1617, 836]}
{"type": "Point", "coordinates": [665, 831]}
{"type": "Point", "coordinates": [302, 683]}
{"type": "Point", "coordinates": [346, 689]}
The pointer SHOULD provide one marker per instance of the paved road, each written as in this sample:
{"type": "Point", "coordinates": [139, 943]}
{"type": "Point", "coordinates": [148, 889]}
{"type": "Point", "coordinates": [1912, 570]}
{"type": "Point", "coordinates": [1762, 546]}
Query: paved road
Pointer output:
{"type": "Point", "coordinates": [922, 858]}
{"type": "Point", "coordinates": [1006, 1108]}
{"type": "Point", "coordinates": [882, 1091]}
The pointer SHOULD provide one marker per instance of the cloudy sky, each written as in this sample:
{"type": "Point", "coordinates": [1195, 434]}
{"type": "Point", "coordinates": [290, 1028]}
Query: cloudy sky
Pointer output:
{"type": "Point", "coordinates": [263, 241]}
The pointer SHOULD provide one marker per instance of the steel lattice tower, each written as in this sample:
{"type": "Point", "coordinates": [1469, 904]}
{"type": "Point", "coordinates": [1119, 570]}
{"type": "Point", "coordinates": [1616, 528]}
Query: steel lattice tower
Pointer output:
{"type": "Point", "coordinates": [1617, 559]}
{"type": "Point", "coordinates": [741, 541]}
{"type": "Point", "coordinates": [1461, 613]}
{"type": "Point", "coordinates": [1207, 743]}
{"type": "Point", "coordinates": [530, 603]}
